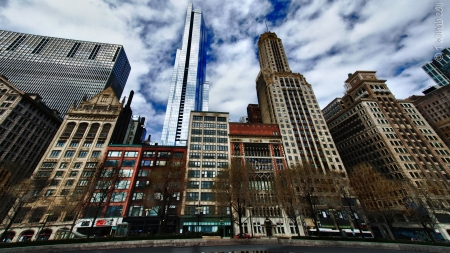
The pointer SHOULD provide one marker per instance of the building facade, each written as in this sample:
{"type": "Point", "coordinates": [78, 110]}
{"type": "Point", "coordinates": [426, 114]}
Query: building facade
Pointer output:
{"type": "Point", "coordinates": [435, 108]}
{"type": "Point", "coordinates": [70, 161]}
{"type": "Point", "coordinates": [208, 154]}
{"type": "Point", "coordinates": [439, 68]}
{"type": "Point", "coordinates": [254, 113]}
{"type": "Point", "coordinates": [369, 125]}
{"type": "Point", "coordinates": [62, 70]}
{"type": "Point", "coordinates": [27, 127]}
{"type": "Point", "coordinates": [189, 90]}
{"type": "Point", "coordinates": [286, 99]}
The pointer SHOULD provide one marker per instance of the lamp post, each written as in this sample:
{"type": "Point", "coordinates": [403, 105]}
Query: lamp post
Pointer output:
{"type": "Point", "coordinates": [199, 209]}
{"type": "Point", "coordinates": [250, 208]}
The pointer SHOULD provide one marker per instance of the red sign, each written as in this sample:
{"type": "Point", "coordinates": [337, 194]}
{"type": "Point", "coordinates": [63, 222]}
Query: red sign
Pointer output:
{"type": "Point", "coordinates": [101, 222]}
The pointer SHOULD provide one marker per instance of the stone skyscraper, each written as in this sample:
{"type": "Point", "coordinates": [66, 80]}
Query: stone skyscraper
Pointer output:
{"type": "Point", "coordinates": [62, 70]}
{"type": "Point", "coordinates": [286, 99]}
{"type": "Point", "coordinates": [188, 90]}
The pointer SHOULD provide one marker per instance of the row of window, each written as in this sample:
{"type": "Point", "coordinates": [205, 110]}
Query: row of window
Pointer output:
{"type": "Point", "coordinates": [161, 154]}
{"type": "Point", "coordinates": [209, 118]}
{"type": "Point", "coordinates": [209, 125]}
{"type": "Point", "coordinates": [208, 147]}
{"type": "Point", "coordinates": [208, 155]}
{"type": "Point", "coordinates": [208, 132]}
{"type": "Point", "coordinates": [70, 153]}
{"type": "Point", "coordinates": [64, 165]}
{"type": "Point", "coordinates": [74, 144]}
{"type": "Point", "coordinates": [208, 139]}
{"type": "Point", "coordinates": [208, 164]}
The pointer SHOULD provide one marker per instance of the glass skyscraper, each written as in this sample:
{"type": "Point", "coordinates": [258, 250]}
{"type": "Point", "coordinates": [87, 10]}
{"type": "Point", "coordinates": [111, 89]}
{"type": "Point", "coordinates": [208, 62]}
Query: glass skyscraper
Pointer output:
{"type": "Point", "coordinates": [62, 70]}
{"type": "Point", "coordinates": [189, 90]}
{"type": "Point", "coordinates": [439, 68]}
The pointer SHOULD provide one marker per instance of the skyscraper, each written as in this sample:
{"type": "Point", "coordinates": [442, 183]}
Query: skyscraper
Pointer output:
{"type": "Point", "coordinates": [188, 90]}
{"type": "Point", "coordinates": [439, 68]}
{"type": "Point", "coordinates": [62, 70]}
{"type": "Point", "coordinates": [286, 99]}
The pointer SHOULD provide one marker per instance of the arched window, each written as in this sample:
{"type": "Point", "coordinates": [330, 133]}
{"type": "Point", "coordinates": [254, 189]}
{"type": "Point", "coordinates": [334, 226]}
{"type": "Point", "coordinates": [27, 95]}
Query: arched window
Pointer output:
{"type": "Point", "coordinates": [69, 128]}
{"type": "Point", "coordinates": [80, 131]}
{"type": "Point", "coordinates": [93, 130]}
{"type": "Point", "coordinates": [105, 130]}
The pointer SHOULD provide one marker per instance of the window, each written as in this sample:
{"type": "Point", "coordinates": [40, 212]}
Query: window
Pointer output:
{"type": "Point", "coordinates": [73, 173]}
{"type": "Point", "coordinates": [208, 164]}
{"type": "Point", "coordinates": [43, 174]}
{"type": "Point", "coordinates": [122, 184]}
{"type": "Point", "coordinates": [135, 211]}
{"type": "Point", "coordinates": [100, 144]}
{"type": "Point", "coordinates": [197, 124]}
{"type": "Point", "coordinates": [209, 139]}
{"type": "Point", "coordinates": [196, 131]}
{"type": "Point", "coordinates": [60, 143]}
{"type": "Point", "coordinates": [65, 192]}
{"type": "Point", "coordinates": [224, 126]}
{"type": "Point", "coordinates": [196, 147]}
{"type": "Point", "coordinates": [92, 165]}
{"type": "Point", "coordinates": [207, 196]}
{"type": "Point", "coordinates": [118, 196]}
{"type": "Point", "coordinates": [163, 154]}
{"type": "Point", "coordinates": [222, 119]}
{"type": "Point", "coordinates": [111, 163]}
{"type": "Point", "coordinates": [209, 156]}
{"type": "Point", "coordinates": [125, 173]}
{"type": "Point", "coordinates": [114, 211]}
{"type": "Point", "coordinates": [77, 165]}
{"type": "Point", "coordinates": [69, 153]}
{"type": "Point", "coordinates": [74, 144]}
{"type": "Point", "coordinates": [83, 182]}
{"type": "Point", "coordinates": [59, 173]}
{"type": "Point", "coordinates": [196, 139]}
{"type": "Point", "coordinates": [48, 165]}
{"type": "Point", "coordinates": [147, 163]}
{"type": "Point", "coordinates": [193, 184]}
{"type": "Point", "coordinates": [194, 164]}
{"type": "Point", "coordinates": [128, 163]}
{"type": "Point", "coordinates": [222, 140]}
{"type": "Point", "coordinates": [82, 154]}
{"type": "Point", "coordinates": [149, 154]}
{"type": "Point", "coordinates": [63, 165]}
{"type": "Point", "coordinates": [194, 173]}
{"type": "Point", "coordinates": [192, 196]}
{"type": "Point", "coordinates": [222, 156]}
{"type": "Point", "coordinates": [210, 132]}
{"type": "Point", "coordinates": [131, 154]}
{"type": "Point", "coordinates": [95, 154]}
{"type": "Point", "coordinates": [178, 155]}
{"type": "Point", "coordinates": [138, 196]}
{"type": "Point", "coordinates": [49, 192]}
{"type": "Point", "coordinates": [143, 173]}
{"type": "Point", "coordinates": [222, 165]}
{"type": "Point", "coordinates": [87, 144]}
{"type": "Point", "coordinates": [54, 182]}
{"type": "Point", "coordinates": [222, 133]}
{"type": "Point", "coordinates": [114, 153]}
{"type": "Point", "coordinates": [209, 147]}
{"type": "Point", "coordinates": [87, 174]}
{"type": "Point", "coordinates": [208, 173]}
{"type": "Point", "coordinates": [210, 118]}
{"type": "Point", "coordinates": [207, 184]}
{"type": "Point", "coordinates": [198, 118]}
{"type": "Point", "coordinates": [161, 163]}
{"type": "Point", "coordinates": [69, 182]}
{"type": "Point", "coordinates": [222, 148]}
{"type": "Point", "coordinates": [141, 183]}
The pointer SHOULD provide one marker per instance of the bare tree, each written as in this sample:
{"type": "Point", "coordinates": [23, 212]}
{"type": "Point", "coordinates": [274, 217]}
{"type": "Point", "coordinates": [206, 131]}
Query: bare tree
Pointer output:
{"type": "Point", "coordinates": [378, 195]}
{"type": "Point", "coordinates": [233, 189]}
{"type": "Point", "coordinates": [21, 193]}
{"type": "Point", "coordinates": [164, 189]}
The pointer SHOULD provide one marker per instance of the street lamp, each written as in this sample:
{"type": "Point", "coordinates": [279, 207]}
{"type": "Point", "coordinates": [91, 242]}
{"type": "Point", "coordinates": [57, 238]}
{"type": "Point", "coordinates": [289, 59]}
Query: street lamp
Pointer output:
{"type": "Point", "coordinates": [223, 229]}
{"type": "Point", "coordinates": [199, 209]}
{"type": "Point", "coordinates": [250, 208]}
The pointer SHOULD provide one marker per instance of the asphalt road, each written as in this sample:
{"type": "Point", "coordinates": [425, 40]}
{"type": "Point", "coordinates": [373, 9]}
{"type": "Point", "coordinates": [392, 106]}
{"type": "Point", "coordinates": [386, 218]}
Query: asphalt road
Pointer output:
{"type": "Point", "coordinates": [244, 249]}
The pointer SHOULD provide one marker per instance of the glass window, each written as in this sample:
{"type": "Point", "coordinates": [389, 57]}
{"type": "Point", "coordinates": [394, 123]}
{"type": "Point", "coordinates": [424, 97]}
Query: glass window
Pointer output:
{"type": "Point", "coordinates": [209, 139]}
{"type": "Point", "coordinates": [111, 162]}
{"type": "Point", "coordinates": [208, 164]}
{"type": "Point", "coordinates": [222, 148]}
{"type": "Point", "coordinates": [77, 165]}
{"type": "Point", "coordinates": [194, 164]}
{"type": "Point", "coordinates": [143, 173]}
{"type": "Point", "coordinates": [69, 182]}
{"type": "Point", "coordinates": [82, 154]}
{"type": "Point", "coordinates": [149, 153]}
{"type": "Point", "coordinates": [59, 173]}
{"type": "Point", "coordinates": [118, 196]}
{"type": "Point", "coordinates": [209, 147]}
{"type": "Point", "coordinates": [60, 143]}
{"type": "Point", "coordinates": [194, 173]}
{"type": "Point", "coordinates": [63, 165]}
{"type": "Point", "coordinates": [92, 165]}
{"type": "Point", "coordinates": [95, 154]}
{"type": "Point", "coordinates": [100, 144]}
{"type": "Point", "coordinates": [114, 153]}
{"type": "Point", "coordinates": [69, 153]}
{"type": "Point", "coordinates": [208, 173]}
{"type": "Point", "coordinates": [131, 154]}
{"type": "Point", "coordinates": [114, 211]}
{"type": "Point", "coordinates": [128, 163]}
{"type": "Point", "coordinates": [193, 184]}
{"type": "Point", "coordinates": [207, 196]}
{"type": "Point", "coordinates": [196, 131]}
{"type": "Point", "coordinates": [138, 196]}
{"type": "Point", "coordinates": [196, 147]}
{"type": "Point", "coordinates": [161, 163]}
{"type": "Point", "coordinates": [207, 184]}
{"type": "Point", "coordinates": [222, 165]}
{"type": "Point", "coordinates": [224, 126]}
{"type": "Point", "coordinates": [125, 173]}
{"type": "Point", "coordinates": [73, 173]}
{"type": "Point", "coordinates": [122, 184]}
{"type": "Point", "coordinates": [147, 163]}
{"type": "Point", "coordinates": [198, 118]}
{"type": "Point", "coordinates": [48, 165]}
{"type": "Point", "coordinates": [222, 119]}
{"type": "Point", "coordinates": [87, 144]}
{"type": "Point", "coordinates": [210, 118]}
{"type": "Point", "coordinates": [163, 154]}
{"type": "Point", "coordinates": [192, 196]}
{"type": "Point", "coordinates": [178, 155]}
{"type": "Point", "coordinates": [74, 144]}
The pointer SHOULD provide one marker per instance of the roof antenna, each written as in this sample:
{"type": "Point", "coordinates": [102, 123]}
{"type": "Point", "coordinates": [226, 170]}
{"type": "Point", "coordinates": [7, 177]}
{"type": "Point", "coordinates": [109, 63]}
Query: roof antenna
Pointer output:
{"type": "Point", "coordinates": [267, 28]}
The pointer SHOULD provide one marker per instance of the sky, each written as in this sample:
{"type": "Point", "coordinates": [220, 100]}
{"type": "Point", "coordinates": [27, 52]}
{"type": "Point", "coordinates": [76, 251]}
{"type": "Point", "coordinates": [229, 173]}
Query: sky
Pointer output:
{"type": "Point", "coordinates": [323, 40]}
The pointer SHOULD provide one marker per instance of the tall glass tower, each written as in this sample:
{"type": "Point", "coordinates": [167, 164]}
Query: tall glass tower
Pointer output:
{"type": "Point", "coordinates": [439, 68]}
{"type": "Point", "coordinates": [188, 90]}
{"type": "Point", "coordinates": [62, 70]}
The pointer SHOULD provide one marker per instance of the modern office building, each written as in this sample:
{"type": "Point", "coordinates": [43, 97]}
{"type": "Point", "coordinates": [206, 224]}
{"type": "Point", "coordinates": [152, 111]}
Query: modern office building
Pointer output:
{"type": "Point", "coordinates": [27, 127]}
{"type": "Point", "coordinates": [254, 113]}
{"type": "Point", "coordinates": [286, 99]}
{"type": "Point", "coordinates": [70, 161]}
{"type": "Point", "coordinates": [208, 154]}
{"type": "Point", "coordinates": [369, 125]}
{"type": "Point", "coordinates": [62, 70]}
{"type": "Point", "coordinates": [439, 68]}
{"type": "Point", "coordinates": [189, 90]}
{"type": "Point", "coordinates": [435, 108]}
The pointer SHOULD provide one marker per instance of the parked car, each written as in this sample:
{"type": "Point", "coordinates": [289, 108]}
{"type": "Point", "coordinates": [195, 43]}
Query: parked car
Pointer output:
{"type": "Point", "coordinates": [243, 236]}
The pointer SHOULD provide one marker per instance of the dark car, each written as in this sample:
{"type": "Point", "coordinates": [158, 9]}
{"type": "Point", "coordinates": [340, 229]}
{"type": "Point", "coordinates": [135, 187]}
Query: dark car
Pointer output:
{"type": "Point", "coordinates": [243, 236]}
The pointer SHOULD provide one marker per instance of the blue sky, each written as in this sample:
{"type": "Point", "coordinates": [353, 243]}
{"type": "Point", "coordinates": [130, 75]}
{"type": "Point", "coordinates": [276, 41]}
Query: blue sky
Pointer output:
{"type": "Point", "coordinates": [324, 41]}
